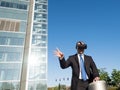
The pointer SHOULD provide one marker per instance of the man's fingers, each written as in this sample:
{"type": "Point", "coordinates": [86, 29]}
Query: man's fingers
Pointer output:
{"type": "Point", "coordinates": [58, 53]}
{"type": "Point", "coordinates": [55, 52]}
{"type": "Point", "coordinates": [58, 49]}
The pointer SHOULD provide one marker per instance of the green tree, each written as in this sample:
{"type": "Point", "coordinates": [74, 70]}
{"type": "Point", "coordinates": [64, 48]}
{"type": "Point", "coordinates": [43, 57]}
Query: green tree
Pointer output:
{"type": "Point", "coordinates": [116, 77]}
{"type": "Point", "coordinates": [63, 87]}
{"type": "Point", "coordinates": [104, 75]}
{"type": "Point", "coordinates": [41, 86]}
{"type": "Point", "coordinates": [56, 88]}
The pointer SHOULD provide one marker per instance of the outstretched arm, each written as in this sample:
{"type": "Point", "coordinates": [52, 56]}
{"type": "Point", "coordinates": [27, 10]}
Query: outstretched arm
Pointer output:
{"type": "Point", "coordinates": [63, 63]}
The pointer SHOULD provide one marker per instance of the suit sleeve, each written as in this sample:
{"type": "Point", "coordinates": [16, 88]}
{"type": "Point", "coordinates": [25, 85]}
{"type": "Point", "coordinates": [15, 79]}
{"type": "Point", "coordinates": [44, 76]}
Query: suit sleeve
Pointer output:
{"type": "Point", "coordinates": [65, 63]}
{"type": "Point", "coordinates": [94, 69]}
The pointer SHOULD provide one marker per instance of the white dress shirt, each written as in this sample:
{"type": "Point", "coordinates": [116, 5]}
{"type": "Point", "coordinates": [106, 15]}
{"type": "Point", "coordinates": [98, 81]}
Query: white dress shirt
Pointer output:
{"type": "Point", "coordinates": [82, 55]}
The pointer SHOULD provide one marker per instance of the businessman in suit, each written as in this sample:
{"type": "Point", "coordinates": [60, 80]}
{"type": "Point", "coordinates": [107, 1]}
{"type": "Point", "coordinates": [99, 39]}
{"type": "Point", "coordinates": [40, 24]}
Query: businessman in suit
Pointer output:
{"type": "Point", "coordinates": [83, 67]}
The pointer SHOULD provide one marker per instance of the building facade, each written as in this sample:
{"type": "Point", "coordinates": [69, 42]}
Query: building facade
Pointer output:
{"type": "Point", "coordinates": [23, 44]}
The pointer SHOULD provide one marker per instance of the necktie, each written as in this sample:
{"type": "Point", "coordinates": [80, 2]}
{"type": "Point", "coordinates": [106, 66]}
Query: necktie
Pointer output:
{"type": "Point", "coordinates": [83, 72]}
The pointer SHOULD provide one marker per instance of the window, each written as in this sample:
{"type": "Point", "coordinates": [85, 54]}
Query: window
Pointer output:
{"type": "Point", "coordinates": [2, 56]}
{"type": "Point", "coordinates": [13, 5]}
{"type": "Point", "coordinates": [44, 26]}
{"type": "Point", "coordinates": [14, 56]}
{"type": "Point", "coordinates": [44, 15]}
{"type": "Point", "coordinates": [11, 41]}
{"type": "Point", "coordinates": [9, 25]}
{"type": "Point", "coordinates": [9, 71]}
{"type": "Point", "coordinates": [44, 6]}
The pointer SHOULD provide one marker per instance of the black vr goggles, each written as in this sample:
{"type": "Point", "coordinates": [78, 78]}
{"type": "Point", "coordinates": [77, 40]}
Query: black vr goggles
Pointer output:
{"type": "Point", "coordinates": [81, 45]}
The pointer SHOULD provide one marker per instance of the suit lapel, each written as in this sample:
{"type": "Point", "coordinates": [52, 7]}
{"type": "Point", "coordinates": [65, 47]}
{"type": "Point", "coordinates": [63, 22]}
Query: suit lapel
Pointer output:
{"type": "Point", "coordinates": [85, 59]}
{"type": "Point", "coordinates": [77, 60]}
{"type": "Point", "coordinates": [85, 62]}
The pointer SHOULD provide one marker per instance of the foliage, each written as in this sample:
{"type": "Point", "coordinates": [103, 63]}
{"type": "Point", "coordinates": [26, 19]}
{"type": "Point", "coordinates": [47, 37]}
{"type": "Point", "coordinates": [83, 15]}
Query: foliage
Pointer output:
{"type": "Point", "coordinates": [118, 88]}
{"type": "Point", "coordinates": [112, 88]}
{"type": "Point", "coordinates": [116, 77]}
{"type": "Point", "coordinates": [60, 87]}
{"type": "Point", "coordinates": [114, 81]}
{"type": "Point", "coordinates": [104, 75]}
{"type": "Point", "coordinates": [41, 86]}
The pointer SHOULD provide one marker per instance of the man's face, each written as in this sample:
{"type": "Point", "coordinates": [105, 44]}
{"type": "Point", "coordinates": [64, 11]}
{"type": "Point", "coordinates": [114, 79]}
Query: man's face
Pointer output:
{"type": "Point", "coordinates": [80, 51]}
{"type": "Point", "coordinates": [80, 48]}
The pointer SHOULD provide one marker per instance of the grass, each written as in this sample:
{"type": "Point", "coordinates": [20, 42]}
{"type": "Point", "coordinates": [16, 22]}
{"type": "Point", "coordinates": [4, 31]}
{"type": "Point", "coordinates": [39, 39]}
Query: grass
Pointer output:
{"type": "Point", "coordinates": [112, 88]}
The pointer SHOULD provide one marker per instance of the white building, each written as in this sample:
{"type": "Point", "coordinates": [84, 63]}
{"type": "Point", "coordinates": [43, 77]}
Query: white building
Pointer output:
{"type": "Point", "coordinates": [23, 44]}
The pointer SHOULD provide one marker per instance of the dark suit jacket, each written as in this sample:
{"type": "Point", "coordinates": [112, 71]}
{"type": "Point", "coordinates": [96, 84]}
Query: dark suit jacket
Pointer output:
{"type": "Point", "coordinates": [73, 62]}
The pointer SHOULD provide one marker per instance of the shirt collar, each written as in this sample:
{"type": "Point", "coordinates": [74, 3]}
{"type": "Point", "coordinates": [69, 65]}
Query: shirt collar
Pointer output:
{"type": "Point", "coordinates": [81, 54]}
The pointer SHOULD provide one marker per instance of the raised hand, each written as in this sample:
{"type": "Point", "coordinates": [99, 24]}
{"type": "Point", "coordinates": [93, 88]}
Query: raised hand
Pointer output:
{"type": "Point", "coordinates": [58, 53]}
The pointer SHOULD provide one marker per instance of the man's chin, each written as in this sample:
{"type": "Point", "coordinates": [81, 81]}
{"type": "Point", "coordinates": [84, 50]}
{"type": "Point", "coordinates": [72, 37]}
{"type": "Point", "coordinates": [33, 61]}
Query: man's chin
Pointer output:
{"type": "Point", "coordinates": [80, 52]}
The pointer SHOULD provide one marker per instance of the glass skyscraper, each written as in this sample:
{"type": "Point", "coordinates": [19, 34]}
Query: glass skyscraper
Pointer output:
{"type": "Point", "coordinates": [23, 44]}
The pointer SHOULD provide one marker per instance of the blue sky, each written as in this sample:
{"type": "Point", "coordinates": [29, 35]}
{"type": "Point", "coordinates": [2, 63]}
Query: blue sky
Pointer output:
{"type": "Point", "coordinates": [96, 22]}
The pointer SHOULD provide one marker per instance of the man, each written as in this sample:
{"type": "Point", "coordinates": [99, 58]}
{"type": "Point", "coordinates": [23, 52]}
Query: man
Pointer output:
{"type": "Point", "coordinates": [83, 67]}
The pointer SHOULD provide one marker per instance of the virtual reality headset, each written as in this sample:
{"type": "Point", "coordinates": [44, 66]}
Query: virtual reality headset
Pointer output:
{"type": "Point", "coordinates": [81, 45]}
